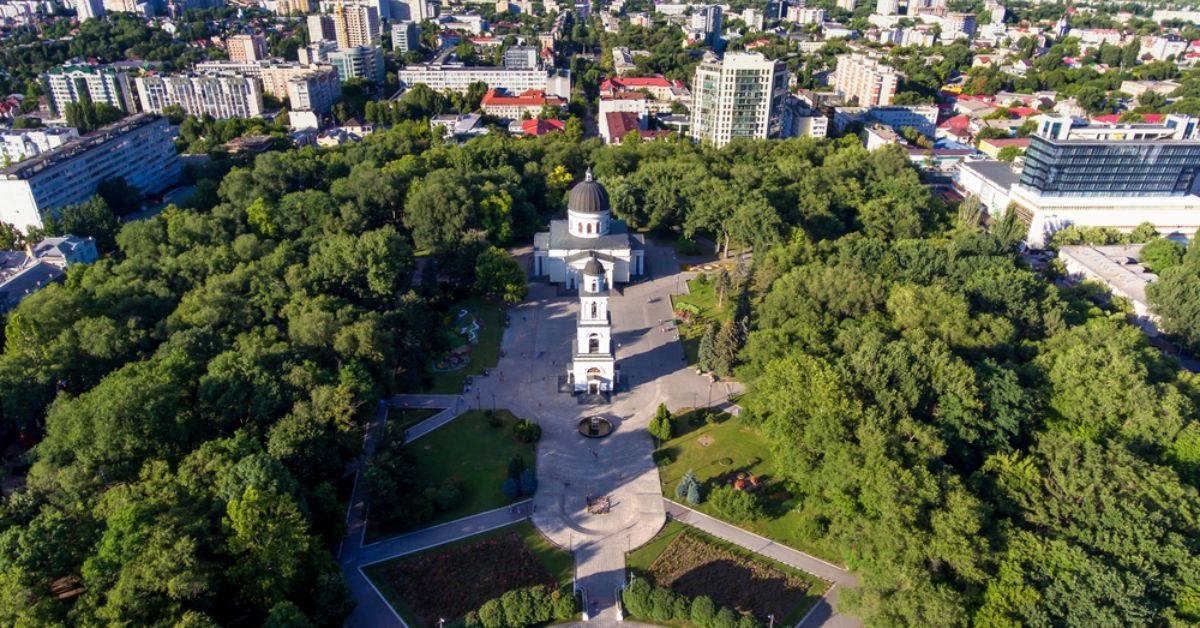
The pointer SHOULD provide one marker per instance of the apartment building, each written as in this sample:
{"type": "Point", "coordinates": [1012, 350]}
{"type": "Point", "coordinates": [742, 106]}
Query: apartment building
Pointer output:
{"type": "Point", "coordinates": [406, 36]}
{"type": "Point", "coordinates": [139, 149]}
{"type": "Point", "coordinates": [244, 48]}
{"type": "Point", "coordinates": [88, 9]}
{"type": "Point", "coordinates": [866, 80]}
{"type": "Point", "coordinates": [458, 78]}
{"type": "Point", "coordinates": [101, 84]}
{"type": "Point", "coordinates": [738, 96]}
{"type": "Point", "coordinates": [522, 57]}
{"type": "Point", "coordinates": [273, 74]}
{"type": "Point", "coordinates": [359, 62]}
{"type": "Point", "coordinates": [355, 25]}
{"type": "Point", "coordinates": [314, 91]}
{"type": "Point", "coordinates": [220, 96]}
{"type": "Point", "coordinates": [19, 144]}
{"type": "Point", "coordinates": [320, 28]}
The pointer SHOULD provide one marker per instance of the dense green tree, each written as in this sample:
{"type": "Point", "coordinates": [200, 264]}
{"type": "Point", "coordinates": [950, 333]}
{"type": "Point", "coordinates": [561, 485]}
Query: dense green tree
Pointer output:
{"type": "Point", "coordinates": [499, 275]}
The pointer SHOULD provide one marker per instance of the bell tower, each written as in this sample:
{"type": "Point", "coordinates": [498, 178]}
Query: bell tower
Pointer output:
{"type": "Point", "coordinates": [594, 367]}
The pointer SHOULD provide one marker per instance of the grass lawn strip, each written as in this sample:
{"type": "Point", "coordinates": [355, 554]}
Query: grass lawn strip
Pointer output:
{"type": "Point", "coordinates": [451, 580]}
{"type": "Point", "coordinates": [703, 296]}
{"type": "Point", "coordinates": [717, 452]}
{"type": "Point", "coordinates": [408, 417]}
{"type": "Point", "coordinates": [484, 354]}
{"type": "Point", "coordinates": [693, 563]}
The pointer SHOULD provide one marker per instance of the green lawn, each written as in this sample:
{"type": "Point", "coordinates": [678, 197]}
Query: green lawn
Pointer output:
{"type": "Point", "coordinates": [641, 560]}
{"type": "Point", "coordinates": [557, 562]}
{"type": "Point", "coordinates": [484, 354]}
{"type": "Point", "coordinates": [474, 452]}
{"type": "Point", "coordinates": [735, 447]}
{"type": "Point", "coordinates": [703, 296]}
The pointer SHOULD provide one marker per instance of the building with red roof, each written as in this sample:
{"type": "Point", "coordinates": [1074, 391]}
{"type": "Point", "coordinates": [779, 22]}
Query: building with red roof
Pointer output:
{"type": "Point", "coordinates": [538, 128]}
{"type": "Point", "coordinates": [659, 88]}
{"type": "Point", "coordinates": [500, 103]}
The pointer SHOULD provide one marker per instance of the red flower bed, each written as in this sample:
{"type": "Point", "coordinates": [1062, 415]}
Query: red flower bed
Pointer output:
{"type": "Point", "coordinates": [692, 566]}
{"type": "Point", "coordinates": [450, 583]}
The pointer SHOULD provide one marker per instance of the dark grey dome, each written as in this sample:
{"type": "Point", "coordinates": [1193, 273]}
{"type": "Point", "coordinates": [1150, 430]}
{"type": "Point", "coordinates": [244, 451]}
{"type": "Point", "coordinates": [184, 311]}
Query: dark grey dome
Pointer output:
{"type": "Point", "coordinates": [588, 197]}
{"type": "Point", "coordinates": [593, 268]}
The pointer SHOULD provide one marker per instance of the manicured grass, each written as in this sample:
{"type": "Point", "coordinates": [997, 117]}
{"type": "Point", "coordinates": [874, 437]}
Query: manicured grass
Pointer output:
{"type": "Point", "coordinates": [408, 417]}
{"type": "Point", "coordinates": [484, 354]}
{"type": "Point", "coordinates": [693, 563]}
{"type": "Point", "coordinates": [703, 296]}
{"type": "Point", "coordinates": [734, 447]}
{"type": "Point", "coordinates": [459, 577]}
{"type": "Point", "coordinates": [477, 454]}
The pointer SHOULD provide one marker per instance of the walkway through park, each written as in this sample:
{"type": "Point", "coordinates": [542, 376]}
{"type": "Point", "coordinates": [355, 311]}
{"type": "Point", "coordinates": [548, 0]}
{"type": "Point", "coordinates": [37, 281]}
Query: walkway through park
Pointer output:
{"type": "Point", "coordinates": [570, 467]}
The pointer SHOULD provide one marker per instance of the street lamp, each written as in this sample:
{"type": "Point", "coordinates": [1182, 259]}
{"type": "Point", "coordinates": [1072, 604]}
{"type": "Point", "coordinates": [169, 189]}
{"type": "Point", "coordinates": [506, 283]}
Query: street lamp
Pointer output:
{"type": "Point", "coordinates": [771, 619]}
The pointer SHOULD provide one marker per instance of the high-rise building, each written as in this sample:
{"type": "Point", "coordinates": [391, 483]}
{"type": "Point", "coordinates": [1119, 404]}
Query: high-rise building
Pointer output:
{"type": "Point", "coordinates": [887, 7]}
{"type": "Point", "coordinates": [244, 48]}
{"type": "Point", "coordinates": [960, 25]}
{"type": "Point", "coordinates": [316, 52]}
{"type": "Point", "coordinates": [88, 9]}
{"type": "Point", "coordinates": [273, 74]}
{"type": "Point", "coordinates": [36, 188]}
{"type": "Point", "coordinates": [865, 80]}
{"type": "Point", "coordinates": [738, 96]}
{"type": "Point", "coordinates": [320, 28]}
{"type": "Point", "coordinates": [314, 91]}
{"type": "Point", "coordinates": [406, 37]}
{"type": "Point", "coordinates": [522, 57]}
{"type": "Point", "coordinates": [220, 96]}
{"type": "Point", "coordinates": [460, 77]}
{"type": "Point", "coordinates": [101, 84]}
{"type": "Point", "coordinates": [847, 5]}
{"type": "Point", "coordinates": [359, 62]}
{"type": "Point", "coordinates": [292, 7]}
{"type": "Point", "coordinates": [420, 10]}
{"type": "Point", "coordinates": [355, 25]}
{"type": "Point", "coordinates": [706, 19]}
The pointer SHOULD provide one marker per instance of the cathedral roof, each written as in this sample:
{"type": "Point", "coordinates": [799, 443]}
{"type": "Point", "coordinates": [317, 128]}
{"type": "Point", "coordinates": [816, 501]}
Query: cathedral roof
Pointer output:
{"type": "Point", "coordinates": [589, 197]}
{"type": "Point", "coordinates": [593, 268]}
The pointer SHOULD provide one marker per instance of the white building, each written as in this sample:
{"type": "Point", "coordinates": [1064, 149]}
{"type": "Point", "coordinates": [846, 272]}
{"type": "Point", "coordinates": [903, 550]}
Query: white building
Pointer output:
{"type": "Point", "coordinates": [739, 96]}
{"type": "Point", "coordinates": [315, 91]}
{"type": "Point", "coordinates": [522, 58]}
{"type": "Point", "coordinates": [887, 7]}
{"type": "Point", "coordinates": [364, 62]}
{"type": "Point", "coordinates": [35, 188]}
{"type": "Point", "coordinates": [101, 84]}
{"type": "Point", "coordinates": [706, 20]}
{"type": "Point", "coordinates": [316, 52]}
{"type": "Point", "coordinates": [320, 28]}
{"type": "Point", "coordinates": [19, 144]}
{"type": "Point", "coordinates": [273, 74]}
{"type": "Point", "coordinates": [458, 78]}
{"type": "Point", "coordinates": [868, 80]}
{"type": "Point", "coordinates": [588, 232]}
{"type": "Point", "coordinates": [220, 96]}
{"type": "Point", "coordinates": [594, 367]}
{"type": "Point", "coordinates": [800, 14]}
{"type": "Point", "coordinates": [406, 36]}
{"type": "Point", "coordinates": [89, 9]}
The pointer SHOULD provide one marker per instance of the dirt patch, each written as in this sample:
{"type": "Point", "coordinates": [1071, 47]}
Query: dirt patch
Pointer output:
{"type": "Point", "coordinates": [460, 579]}
{"type": "Point", "coordinates": [693, 566]}
{"type": "Point", "coordinates": [706, 440]}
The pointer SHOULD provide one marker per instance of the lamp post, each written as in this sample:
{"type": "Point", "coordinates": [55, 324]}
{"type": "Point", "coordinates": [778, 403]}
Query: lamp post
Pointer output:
{"type": "Point", "coordinates": [771, 619]}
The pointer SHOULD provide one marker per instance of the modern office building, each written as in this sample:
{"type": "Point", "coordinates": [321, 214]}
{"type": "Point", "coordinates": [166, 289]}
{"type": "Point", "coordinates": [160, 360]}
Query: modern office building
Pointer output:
{"type": "Point", "coordinates": [522, 57]}
{"type": "Point", "coordinates": [220, 96]}
{"type": "Point", "coordinates": [359, 62]}
{"type": "Point", "coordinates": [320, 28]}
{"type": "Point", "coordinates": [866, 80]}
{"type": "Point", "coordinates": [355, 25]}
{"type": "Point", "coordinates": [139, 149]}
{"type": "Point", "coordinates": [406, 36]}
{"type": "Point", "coordinates": [101, 84]}
{"type": "Point", "coordinates": [243, 48]}
{"type": "Point", "coordinates": [315, 91]}
{"type": "Point", "coordinates": [738, 96]}
{"type": "Point", "coordinates": [19, 144]}
{"type": "Point", "coordinates": [1104, 175]}
{"type": "Point", "coordinates": [458, 78]}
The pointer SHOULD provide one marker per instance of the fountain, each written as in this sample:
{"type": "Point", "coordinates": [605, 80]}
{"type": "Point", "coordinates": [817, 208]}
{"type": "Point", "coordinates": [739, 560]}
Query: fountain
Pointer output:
{"type": "Point", "coordinates": [595, 427]}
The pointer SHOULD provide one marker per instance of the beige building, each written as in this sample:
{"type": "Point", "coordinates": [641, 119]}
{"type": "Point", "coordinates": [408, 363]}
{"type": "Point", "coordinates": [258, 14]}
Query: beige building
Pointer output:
{"type": "Point", "coordinates": [355, 25]}
{"type": "Point", "coordinates": [868, 80]}
{"type": "Point", "coordinates": [226, 96]}
{"type": "Point", "coordinates": [246, 48]}
{"type": "Point", "coordinates": [738, 96]}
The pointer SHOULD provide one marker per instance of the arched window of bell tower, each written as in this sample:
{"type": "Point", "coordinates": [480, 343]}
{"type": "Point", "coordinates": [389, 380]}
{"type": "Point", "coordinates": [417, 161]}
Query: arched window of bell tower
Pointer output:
{"type": "Point", "coordinates": [593, 310]}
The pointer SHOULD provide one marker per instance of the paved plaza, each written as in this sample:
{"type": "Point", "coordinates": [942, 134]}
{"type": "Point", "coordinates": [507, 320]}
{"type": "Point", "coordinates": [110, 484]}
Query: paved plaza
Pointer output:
{"type": "Point", "coordinates": [536, 351]}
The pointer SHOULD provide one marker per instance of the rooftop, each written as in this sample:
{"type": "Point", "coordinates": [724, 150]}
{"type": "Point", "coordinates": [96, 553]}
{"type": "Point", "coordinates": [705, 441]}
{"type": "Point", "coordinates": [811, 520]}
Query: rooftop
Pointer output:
{"type": "Point", "coordinates": [998, 172]}
{"type": "Point", "coordinates": [76, 147]}
{"type": "Point", "coordinates": [1118, 266]}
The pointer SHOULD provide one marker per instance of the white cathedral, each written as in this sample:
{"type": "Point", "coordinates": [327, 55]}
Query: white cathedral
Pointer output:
{"type": "Point", "coordinates": [590, 251]}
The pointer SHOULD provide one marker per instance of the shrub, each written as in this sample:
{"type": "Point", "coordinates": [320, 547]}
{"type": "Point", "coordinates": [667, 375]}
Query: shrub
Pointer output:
{"type": "Point", "coordinates": [636, 597]}
{"type": "Point", "coordinates": [725, 618]}
{"type": "Point", "coordinates": [693, 494]}
{"type": "Point", "coordinates": [702, 610]}
{"type": "Point", "coordinates": [516, 466]}
{"type": "Point", "coordinates": [448, 495]}
{"type": "Point", "coordinates": [491, 614]}
{"type": "Point", "coordinates": [529, 483]}
{"type": "Point", "coordinates": [733, 504]}
{"type": "Point", "coordinates": [563, 605]}
{"type": "Point", "coordinates": [527, 431]}
{"type": "Point", "coordinates": [512, 487]}
{"type": "Point", "coordinates": [493, 419]}
{"type": "Point", "coordinates": [681, 611]}
{"type": "Point", "coordinates": [687, 246]}
{"type": "Point", "coordinates": [1161, 254]}
{"type": "Point", "coordinates": [748, 621]}
{"type": "Point", "coordinates": [662, 604]}
{"type": "Point", "coordinates": [702, 279]}
{"type": "Point", "coordinates": [661, 426]}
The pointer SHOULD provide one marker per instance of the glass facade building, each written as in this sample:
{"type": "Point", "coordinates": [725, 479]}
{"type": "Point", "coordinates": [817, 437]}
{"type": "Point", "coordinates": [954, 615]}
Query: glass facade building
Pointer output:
{"type": "Point", "coordinates": [1110, 168]}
